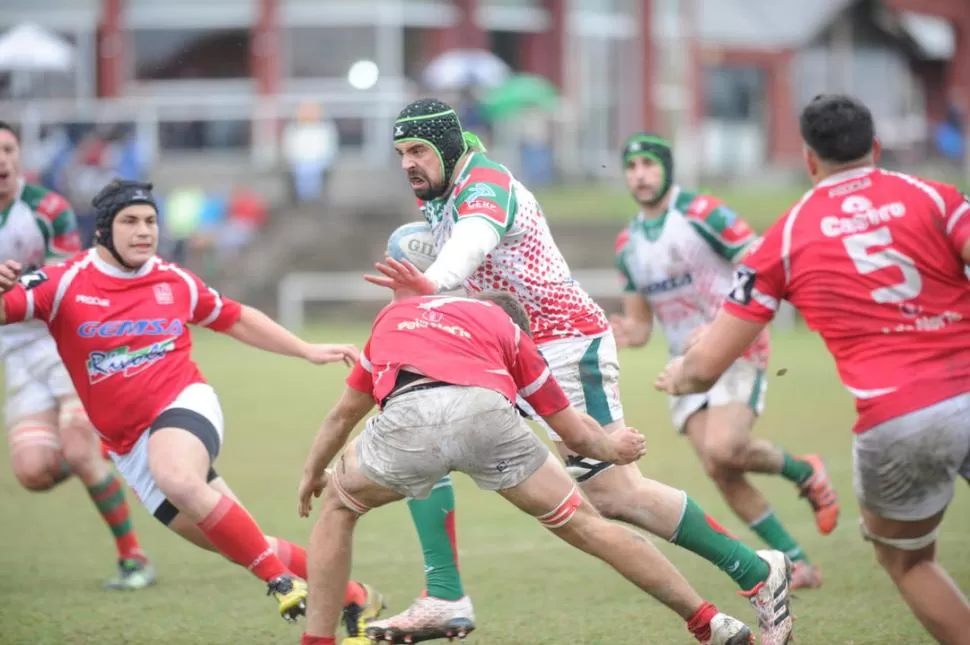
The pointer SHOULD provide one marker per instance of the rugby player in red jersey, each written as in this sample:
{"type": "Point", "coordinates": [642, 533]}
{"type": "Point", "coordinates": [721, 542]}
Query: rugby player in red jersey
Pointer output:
{"type": "Point", "coordinates": [875, 262]}
{"type": "Point", "coordinates": [119, 315]}
{"type": "Point", "coordinates": [446, 372]}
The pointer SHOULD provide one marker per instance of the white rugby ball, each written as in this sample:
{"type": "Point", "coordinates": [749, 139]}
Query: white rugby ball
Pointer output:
{"type": "Point", "coordinates": [413, 242]}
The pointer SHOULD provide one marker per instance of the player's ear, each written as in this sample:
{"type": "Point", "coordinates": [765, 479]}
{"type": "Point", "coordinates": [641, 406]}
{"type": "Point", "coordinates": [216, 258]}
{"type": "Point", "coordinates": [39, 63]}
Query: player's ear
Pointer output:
{"type": "Point", "coordinates": [876, 150]}
{"type": "Point", "coordinates": [811, 162]}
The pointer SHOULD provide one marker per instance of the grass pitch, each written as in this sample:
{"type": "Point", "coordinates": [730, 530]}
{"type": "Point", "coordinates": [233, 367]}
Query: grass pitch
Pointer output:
{"type": "Point", "coordinates": [528, 588]}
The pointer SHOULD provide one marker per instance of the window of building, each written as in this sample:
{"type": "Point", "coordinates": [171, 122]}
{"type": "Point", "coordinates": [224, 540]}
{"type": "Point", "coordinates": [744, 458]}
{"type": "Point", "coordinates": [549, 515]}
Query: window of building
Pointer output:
{"type": "Point", "coordinates": [177, 54]}
{"type": "Point", "coordinates": [507, 45]}
{"type": "Point", "coordinates": [734, 93]}
{"type": "Point", "coordinates": [327, 52]}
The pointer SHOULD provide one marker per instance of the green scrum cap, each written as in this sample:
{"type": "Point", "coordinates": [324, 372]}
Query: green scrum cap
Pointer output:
{"type": "Point", "coordinates": [657, 149]}
{"type": "Point", "coordinates": [436, 124]}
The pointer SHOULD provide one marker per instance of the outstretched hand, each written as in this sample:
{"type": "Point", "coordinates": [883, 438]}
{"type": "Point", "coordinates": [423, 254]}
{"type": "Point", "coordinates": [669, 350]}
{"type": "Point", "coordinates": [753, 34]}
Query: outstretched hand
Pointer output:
{"type": "Point", "coordinates": [669, 379]}
{"type": "Point", "coordinates": [326, 353]}
{"type": "Point", "coordinates": [629, 445]}
{"type": "Point", "coordinates": [9, 274]}
{"type": "Point", "coordinates": [403, 278]}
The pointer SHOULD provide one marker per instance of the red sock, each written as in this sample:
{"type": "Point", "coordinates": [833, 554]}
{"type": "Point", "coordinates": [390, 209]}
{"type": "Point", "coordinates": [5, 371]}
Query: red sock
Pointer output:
{"type": "Point", "coordinates": [235, 534]}
{"type": "Point", "coordinates": [317, 640]}
{"type": "Point", "coordinates": [700, 623]}
{"type": "Point", "coordinates": [293, 557]}
{"type": "Point", "coordinates": [355, 594]}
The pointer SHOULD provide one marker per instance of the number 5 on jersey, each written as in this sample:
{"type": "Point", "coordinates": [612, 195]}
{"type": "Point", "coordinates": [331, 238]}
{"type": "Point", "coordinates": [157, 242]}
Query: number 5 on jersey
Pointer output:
{"type": "Point", "coordinates": [859, 247]}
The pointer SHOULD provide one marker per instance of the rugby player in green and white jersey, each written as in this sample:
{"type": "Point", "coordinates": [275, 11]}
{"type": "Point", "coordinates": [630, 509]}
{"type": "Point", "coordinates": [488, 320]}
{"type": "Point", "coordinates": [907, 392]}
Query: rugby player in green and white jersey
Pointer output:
{"type": "Point", "coordinates": [48, 431]}
{"type": "Point", "coordinates": [676, 262]}
{"type": "Point", "coordinates": [491, 235]}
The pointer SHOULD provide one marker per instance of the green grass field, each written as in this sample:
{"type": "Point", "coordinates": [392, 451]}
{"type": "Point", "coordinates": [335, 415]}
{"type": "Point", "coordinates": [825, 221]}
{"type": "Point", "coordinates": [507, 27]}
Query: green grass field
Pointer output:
{"type": "Point", "coordinates": [528, 588]}
{"type": "Point", "coordinates": [759, 205]}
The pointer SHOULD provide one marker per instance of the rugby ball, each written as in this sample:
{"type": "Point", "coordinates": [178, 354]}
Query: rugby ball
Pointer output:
{"type": "Point", "coordinates": [413, 242]}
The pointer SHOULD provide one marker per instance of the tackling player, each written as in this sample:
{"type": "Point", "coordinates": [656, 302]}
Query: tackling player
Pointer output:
{"type": "Point", "coordinates": [676, 260]}
{"type": "Point", "coordinates": [119, 315]}
{"type": "Point", "coordinates": [446, 372]}
{"type": "Point", "coordinates": [491, 235]}
{"type": "Point", "coordinates": [48, 431]}
{"type": "Point", "coordinates": [874, 261]}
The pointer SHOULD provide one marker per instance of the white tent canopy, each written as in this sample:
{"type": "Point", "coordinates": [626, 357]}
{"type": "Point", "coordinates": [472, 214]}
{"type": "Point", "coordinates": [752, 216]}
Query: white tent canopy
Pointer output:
{"type": "Point", "coordinates": [30, 47]}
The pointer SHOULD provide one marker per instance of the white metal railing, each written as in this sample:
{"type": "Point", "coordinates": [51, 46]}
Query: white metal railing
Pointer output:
{"type": "Point", "coordinates": [296, 289]}
{"type": "Point", "coordinates": [376, 108]}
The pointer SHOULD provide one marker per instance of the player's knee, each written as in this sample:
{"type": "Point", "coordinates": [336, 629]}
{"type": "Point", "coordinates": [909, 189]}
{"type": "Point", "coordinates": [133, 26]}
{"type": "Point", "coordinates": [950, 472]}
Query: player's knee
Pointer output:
{"type": "Point", "coordinates": [610, 506]}
{"type": "Point", "coordinates": [179, 483]}
{"type": "Point", "coordinates": [898, 562]}
{"type": "Point", "coordinates": [36, 455]}
{"type": "Point", "coordinates": [724, 455]}
{"type": "Point", "coordinates": [899, 555]}
{"type": "Point", "coordinates": [80, 452]}
{"type": "Point", "coordinates": [36, 470]}
{"type": "Point", "coordinates": [613, 492]}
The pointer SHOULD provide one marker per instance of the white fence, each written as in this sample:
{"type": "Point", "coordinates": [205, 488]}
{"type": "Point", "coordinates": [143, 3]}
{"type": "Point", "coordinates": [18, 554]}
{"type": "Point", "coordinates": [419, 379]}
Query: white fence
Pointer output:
{"type": "Point", "coordinates": [296, 289]}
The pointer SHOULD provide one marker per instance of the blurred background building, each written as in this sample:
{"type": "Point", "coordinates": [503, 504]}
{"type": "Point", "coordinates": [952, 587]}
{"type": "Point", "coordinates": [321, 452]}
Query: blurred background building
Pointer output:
{"type": "Point", "coordinates": [242, 109]}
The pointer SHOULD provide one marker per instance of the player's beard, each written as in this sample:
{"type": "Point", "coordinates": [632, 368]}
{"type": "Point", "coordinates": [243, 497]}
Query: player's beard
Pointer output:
{"type": "Point", "coordinates": [426, 192]}
{"type": "Point", "coordinates": [645, 194]}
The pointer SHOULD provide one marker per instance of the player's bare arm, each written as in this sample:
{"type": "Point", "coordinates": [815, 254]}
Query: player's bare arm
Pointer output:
{"type": "Point", "coordinates": [582, 434]}
{"type": "Point", "coordinates": [256, 329]}
{"type": "Point", "coordinates": [633, 327]}
{"type": "Point", "coordinates": [349, 410]}
{"type": "Point", "coordinates": [722, 343]}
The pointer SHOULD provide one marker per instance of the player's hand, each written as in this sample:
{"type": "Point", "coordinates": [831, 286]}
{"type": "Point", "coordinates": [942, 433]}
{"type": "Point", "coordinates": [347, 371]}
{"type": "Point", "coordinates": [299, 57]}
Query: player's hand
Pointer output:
{"type": "Point", "coordinates": [694, 337]}
{"type": "Point", "coordinates": [621, 333]}
{"type": "Point", "coordinates": [628, 445]}
{"type": "Point", "coordinates": [9, 274]}
{"type": "Point", "coordinates": [324, 353]}
{"type": "Point", "coordinates": [668, 380]}
{"type": "Point", "coordinates": [310, 487]}
{"type": "Point", "coordinates": [403, 278]}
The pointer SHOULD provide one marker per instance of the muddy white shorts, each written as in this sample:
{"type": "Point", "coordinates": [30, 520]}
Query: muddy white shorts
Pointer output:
{"type": "Point", "coordinates": [196, 410]}
{"type": "Point", "coordinates": [904, 469]}
{"type": "Point", "coordinates": [421, 436]}
{"type": "Point", "coordinates": [35, 379]}
{"type": "Point", "coordinates": [744, 382]}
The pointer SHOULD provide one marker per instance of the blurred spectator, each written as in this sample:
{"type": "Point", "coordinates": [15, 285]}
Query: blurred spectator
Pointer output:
{"type": "Point", "coordinates": [183, 212]}
{"type": "Point", "coordinates": [87, 169]}
{"type": "Point", "coordinates": [246, 215]}
{"type": "Point", "coordinates": [535, 147]}
{"type": "Point", "coordinates": [950, 135]}
{"type": "Point", "coordinates": [310, 145]}
{"type": "Point", "coordinates": [472, 115]}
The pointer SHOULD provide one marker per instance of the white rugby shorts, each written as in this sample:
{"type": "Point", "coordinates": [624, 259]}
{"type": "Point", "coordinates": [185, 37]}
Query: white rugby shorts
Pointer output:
{"type": "Point", "coordinates": [133, 466]}
{"type": "Point", "coordinates": [904, 469]}
{"type": "Point", "coordinates": [588, 370]}
{"type": "Point", "coordinates": [35, 380]}
{"type": "Point", "coordinates": [744, 382]}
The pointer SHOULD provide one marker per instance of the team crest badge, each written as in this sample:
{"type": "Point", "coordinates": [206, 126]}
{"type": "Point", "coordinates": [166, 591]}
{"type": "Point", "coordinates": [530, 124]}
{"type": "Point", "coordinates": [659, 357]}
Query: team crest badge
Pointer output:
{"type": "Point", "coordinates": [163, 294]}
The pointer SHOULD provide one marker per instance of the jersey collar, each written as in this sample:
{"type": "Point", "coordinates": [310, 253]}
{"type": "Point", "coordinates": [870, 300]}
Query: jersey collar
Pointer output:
{"type": "Point", "coordinates": [21, 182]}
{"type": "Point", "coordinates": [650, 223]}
{"type": "Point", "coordinates": [845, 175]}
{"type": "Point", "coordinates": [115, 272]}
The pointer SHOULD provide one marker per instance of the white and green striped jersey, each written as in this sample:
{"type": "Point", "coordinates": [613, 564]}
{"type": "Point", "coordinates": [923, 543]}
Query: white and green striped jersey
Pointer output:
{"type": "Point", "coordinates": [682, 263]}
